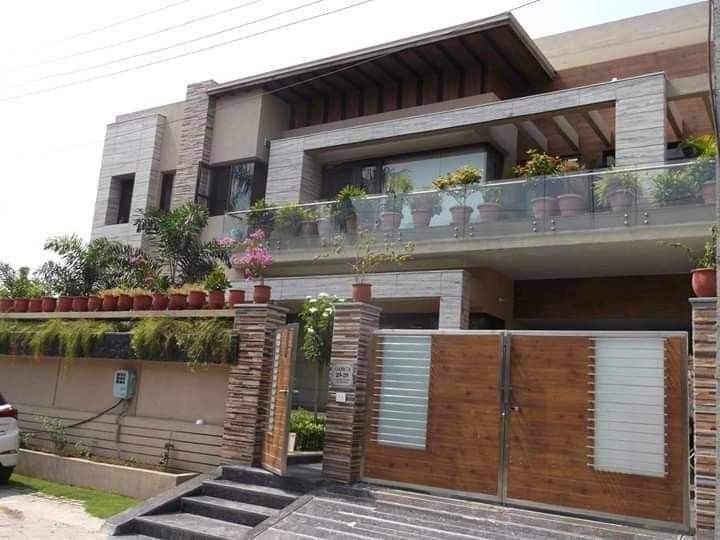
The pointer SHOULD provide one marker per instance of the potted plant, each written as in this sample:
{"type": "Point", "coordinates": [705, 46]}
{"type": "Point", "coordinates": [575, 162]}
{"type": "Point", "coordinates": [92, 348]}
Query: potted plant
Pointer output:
{"type": "Point", "coordinates": [423, 206]}
{"type": "Point", "coordinates": [159, 286]}
{"type": "Point", "coordinates": [617, 188]}
{"type": "Point", "coordinates": [177, 297]}
{"type": "Point", "coordinates": [572, 201]}
{"type": "Point", "coordinates": [676, 186]}
{"type": "Point", "coordinates": [196, 296]}
{"type": "Point", "coordinates": [94, 302]}
{"type": "Point", "coordinates": [109, 299]}
{"type": "Point", "coordinates": [697, 146]}
{"type": "Point", "coordinates": [80, 303]}
{"type": "Point", "coordinates": [490, 209]}
{"type": "Point", "coordinates": [397, 185]}
{"type": "Point", "coordinates": [345, 212]}
{"type": "Point", "coordinates": [539, 164]}
{"type": "Point", "coordinates": [308, 223]}
{"type": "Point", "coordinates": [141, 299]}
{"type": "Point", "coordinates": [260, 217]}
{"type": "Point", "coordinates": [49, 303]}
{"type": "Point", "coordinates": [6, 302]}
{"type": "Point", "coordinates": [325, 223]}
{"type": "Point", "coordinates": [236, 296]}
{"type": "Point", "coordinates": [288, 218]}
{"type": "Point", "coordinates": [215, 283]}
{"type": "Point", "coordinates": [461, 178]}
{"type": "Point", "coordinates": [252, 262]}
{"type": "Point", "coordinates": [703, 272]}
{"type": "Point", "coordinates": [35, 293]}
{"type": "Point", "coordinates": [367, 258]}
{"type": "Point", "coordinates": [124, 300]}
{"type": "Point", "coordinates": [20, 305]}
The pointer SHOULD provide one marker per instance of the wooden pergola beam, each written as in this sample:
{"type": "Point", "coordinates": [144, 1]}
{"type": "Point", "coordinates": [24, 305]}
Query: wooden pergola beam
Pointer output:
{"type": "Point", "coordinates": [567, 132]}
{"type": "Point", "coordinates": [532, 131]}
{"type": "Point", "coordinates": [599, 127]}
{"type": "Point", "coordinates": [675, 119]}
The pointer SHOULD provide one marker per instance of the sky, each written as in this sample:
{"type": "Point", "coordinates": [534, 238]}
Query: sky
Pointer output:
{"type": "Point", "coordinates": [51, 139]}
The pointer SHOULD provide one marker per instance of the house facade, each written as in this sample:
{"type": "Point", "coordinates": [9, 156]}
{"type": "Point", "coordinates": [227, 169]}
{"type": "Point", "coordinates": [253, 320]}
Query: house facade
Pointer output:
{"type": "Point", "coordinates": [548, 253]}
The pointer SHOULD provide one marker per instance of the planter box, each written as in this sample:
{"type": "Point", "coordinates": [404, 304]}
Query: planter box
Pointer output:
{"type": "Point", "coordinates": [137, 483]}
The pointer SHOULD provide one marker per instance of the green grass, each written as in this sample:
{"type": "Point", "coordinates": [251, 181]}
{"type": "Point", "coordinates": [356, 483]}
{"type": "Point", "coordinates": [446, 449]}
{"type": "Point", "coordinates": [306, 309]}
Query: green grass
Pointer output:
{"type": "Point", "coordinates": [100, 504]}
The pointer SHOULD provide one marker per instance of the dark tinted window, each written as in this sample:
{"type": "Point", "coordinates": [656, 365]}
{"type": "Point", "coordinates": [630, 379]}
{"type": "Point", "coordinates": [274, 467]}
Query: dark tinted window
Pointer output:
{"type": "Point", "coordinates": [166, 190]}
{"type": "Point", "coordinates": [126, 190]}
{"type": "Point", "coordinates": [236, 186]}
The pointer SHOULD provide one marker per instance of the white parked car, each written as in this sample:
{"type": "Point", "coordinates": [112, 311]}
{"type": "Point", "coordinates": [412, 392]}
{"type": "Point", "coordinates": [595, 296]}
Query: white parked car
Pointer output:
{"type": "Point", "coordinates": [9, 439]}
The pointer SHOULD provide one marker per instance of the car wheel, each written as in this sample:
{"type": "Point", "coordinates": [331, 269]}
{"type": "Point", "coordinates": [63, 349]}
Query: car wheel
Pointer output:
{"type": "Point", "coordinates": [5, 473]}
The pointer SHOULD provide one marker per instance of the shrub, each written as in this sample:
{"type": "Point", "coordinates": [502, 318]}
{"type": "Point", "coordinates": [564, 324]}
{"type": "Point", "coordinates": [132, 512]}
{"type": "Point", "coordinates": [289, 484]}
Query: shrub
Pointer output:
{"type": "Point", "coordinates": [70, 339]}
{"type": "Point", "coordinates": [310, 431]}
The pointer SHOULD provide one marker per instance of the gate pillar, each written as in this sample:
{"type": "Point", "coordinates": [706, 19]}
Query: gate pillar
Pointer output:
{"type": "Point", "coordinates": [248, 389]}
{"type": "Point", "coordinates": [347, 388]}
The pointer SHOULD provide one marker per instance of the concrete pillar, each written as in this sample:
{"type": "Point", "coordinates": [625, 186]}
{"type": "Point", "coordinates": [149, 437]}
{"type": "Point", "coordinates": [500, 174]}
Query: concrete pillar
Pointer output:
{"type": "Point", "coordinates": [640, 123]}
{"type": "Point", "coordinates": [345, 426]}
{"type": "Point", "coordinates": [195, 141]}
{"type": "Point", "coordinates": [293, 174]}
{"type": "Point", "coordinates": [454, 309]}
{"type": "Point", "coordinates": [704, 403]}
{"type": "Point", "coordinates": [248, 390]}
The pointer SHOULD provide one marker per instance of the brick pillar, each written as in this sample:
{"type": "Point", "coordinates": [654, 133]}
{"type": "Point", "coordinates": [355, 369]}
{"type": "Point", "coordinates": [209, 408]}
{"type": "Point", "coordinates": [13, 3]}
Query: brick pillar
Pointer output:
{"type": "Point", "coordinates": [196, 132]}
{"type": "Point", "coordinates": [247, 398]}
{"type": "Point", "coordinates": [352, 335]}
{"type": "Point", "coordinates": [704, 396]}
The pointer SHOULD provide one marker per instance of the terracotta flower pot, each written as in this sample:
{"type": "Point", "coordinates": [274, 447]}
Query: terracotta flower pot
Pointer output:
{"type": "Point", "coordinates": [543, 207]}
{"type": "Point", "coordinates": [703, 282]}
{"type": "Point", "coordinates": [620, 200]}
{"type": "Point", "coordinates": [351, 224]}
{"type": "Point", "coordinates": [362, 292]}
{"type": "Point", "coordinates": [390, 220]}
{"type": "Point", "coordinates": [570, 204]}
{"type": "Point", "coordinates": [461, 214]}
{"type": "Point", "coordinates": [159, 301]}
{"type": "Point", "coordinates": [216, 299]}
{"type": "Point", "coordinates": [80, 303]}
{"type": "Point", "coordinates": [421, 217]}
{"type": "Point", "coordinates": [124, 302]}
{"type": "Point", "coordinates": [49, 303]}
{"type": "Point", "coordinates": [196, 299]}
{"type": "Point", "coordinates": [325, 227]}
{"type": "Point", "coordinates": [177, 301]}
{"type": "Point", "coordinates": [109, 302]}
{"type": "Point", "coordinates": [94, 303]}
{"type": "Point", "coordinates": [261, 294]}
{"type": "Point", "coordinates": [236, 296]}
{"type": "Point", "coordinates": [20, 305]}
{"type": "Point", "coordinates": [708, 192]}
{"type": "Point", "coordinates": [6, 305]}
{"type": "Point", "coordinates": [35, 305]}
{"type": "Point", "coordinates": [308, 228]}
{"type": "Point", "coordinates": [65, 303]}
{"type": "Point", "coordinates": [489, 212]}
{"type": "Point", "coordinates": [141, 302]}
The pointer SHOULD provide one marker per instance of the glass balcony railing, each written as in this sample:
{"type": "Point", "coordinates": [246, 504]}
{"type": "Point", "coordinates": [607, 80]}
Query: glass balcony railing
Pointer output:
{"type": "Point", "coordinates": [637, 197]}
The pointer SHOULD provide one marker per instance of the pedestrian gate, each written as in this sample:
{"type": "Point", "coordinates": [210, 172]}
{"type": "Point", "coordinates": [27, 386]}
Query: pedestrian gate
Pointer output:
{"type": "Point", "coordinates": [590, 423]}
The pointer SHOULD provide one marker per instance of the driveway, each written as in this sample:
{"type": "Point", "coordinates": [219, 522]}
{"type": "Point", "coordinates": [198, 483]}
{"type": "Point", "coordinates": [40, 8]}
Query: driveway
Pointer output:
{"type": "Point", "coordinates": [24, 514]}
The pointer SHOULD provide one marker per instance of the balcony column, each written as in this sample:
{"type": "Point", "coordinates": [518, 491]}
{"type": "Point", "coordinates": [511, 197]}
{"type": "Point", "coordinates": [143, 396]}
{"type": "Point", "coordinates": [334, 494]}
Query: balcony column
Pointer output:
{"type": "Point", "coordinates": [454, 312]}
{"type": "Point", "coordinates": [288, 161]}
{"type": "Point", "coordinates": [703, 407]}
{"type": "Point", "coordinates": [640, 123]}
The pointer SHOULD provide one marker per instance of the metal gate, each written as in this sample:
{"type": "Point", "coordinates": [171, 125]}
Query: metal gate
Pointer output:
{"type": "Point", "coordinates": [589, 423]}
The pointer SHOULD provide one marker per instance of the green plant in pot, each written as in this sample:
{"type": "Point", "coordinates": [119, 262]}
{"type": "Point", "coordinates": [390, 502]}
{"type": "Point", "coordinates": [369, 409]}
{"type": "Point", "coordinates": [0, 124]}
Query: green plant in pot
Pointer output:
{"type": "Point", "coordinates": [397, 185]}
{"type": "Point", "coordinates": [215, 284]}
{"type": "Point", "coordinates": [618, 189]}
{"type": "Point", "coordinates": [423, 206]}
{"type": "Point", "coordinates": [573, 200]}
{"type": "Point", "coordinates": [676, 186]}
{"type": "Point", "coordinates": [490, 209]}
{"type": "Point", "coordinates": [703, 278]}
{"type": "Point", "coordinates": [287, 219]}
{"type": "Point", "coordinates": [367, 257]}
{"type": "Point", "coordinates": [308, 225]}
{"type": "Point", "coordinates": [345, 210]}
{"type": "Point", "coordinates": [456, 184]}
{"type": "Point", "coordinates": [261, 217]}
{"type": "Point", "coordinates": [159, 286]}
{"type": "Point", "coordinates": [535, 169]}
{"type": "Point", "coordinates": [699, 146]}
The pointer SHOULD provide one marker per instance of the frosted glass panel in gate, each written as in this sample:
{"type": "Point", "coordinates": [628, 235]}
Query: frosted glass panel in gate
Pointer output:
{"type": "Point", "coordinates": [629, 406]}
{"type": "Point", "coordinates": [403, 370]}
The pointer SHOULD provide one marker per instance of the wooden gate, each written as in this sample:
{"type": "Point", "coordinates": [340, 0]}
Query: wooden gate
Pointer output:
{"type": "Point", "coordinates": [275, 441]}
{"type": "Point", "coordinates": [589, 423]}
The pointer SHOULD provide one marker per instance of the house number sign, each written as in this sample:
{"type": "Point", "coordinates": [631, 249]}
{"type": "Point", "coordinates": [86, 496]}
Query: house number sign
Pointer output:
{"type": "Point", "coordinates": [342, 375]}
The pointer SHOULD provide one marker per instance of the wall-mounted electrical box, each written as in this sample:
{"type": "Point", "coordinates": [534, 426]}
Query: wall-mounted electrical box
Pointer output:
{"type": "Point", "coordinates": [124, 384]}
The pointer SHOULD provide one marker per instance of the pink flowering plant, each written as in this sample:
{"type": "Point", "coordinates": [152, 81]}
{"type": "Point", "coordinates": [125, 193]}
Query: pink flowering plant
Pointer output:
{"type": "Point", "coordinates": [254, 258]}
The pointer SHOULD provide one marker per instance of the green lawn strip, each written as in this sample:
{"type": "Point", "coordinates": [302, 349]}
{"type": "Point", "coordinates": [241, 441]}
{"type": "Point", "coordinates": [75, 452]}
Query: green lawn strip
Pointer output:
{"type": "Point", "coordinates": [100, 504]}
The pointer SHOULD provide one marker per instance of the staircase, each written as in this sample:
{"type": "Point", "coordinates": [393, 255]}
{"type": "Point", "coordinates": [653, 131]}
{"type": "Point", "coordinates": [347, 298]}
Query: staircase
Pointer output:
{"type": "Point", "coordinates": [227, 507]}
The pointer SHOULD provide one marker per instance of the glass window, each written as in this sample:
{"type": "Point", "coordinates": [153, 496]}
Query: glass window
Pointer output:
{"type": "Point", "coordinates": [236, 186]}
{"type": "Point", "coordinates": [125, 200]}
{"type": "Point", "coordinates": [166, 190]}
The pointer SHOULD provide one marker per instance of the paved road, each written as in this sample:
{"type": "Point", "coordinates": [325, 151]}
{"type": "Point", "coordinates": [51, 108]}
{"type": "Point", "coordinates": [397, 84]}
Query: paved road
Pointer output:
{"type": "Point", "coordinates": [24, 514]}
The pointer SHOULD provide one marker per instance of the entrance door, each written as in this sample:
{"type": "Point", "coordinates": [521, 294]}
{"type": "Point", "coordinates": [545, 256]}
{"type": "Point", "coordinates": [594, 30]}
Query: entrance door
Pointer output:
{"type": "Point", "coordinates": [275, 442]}
{"type": "Point", "coordinates": [597, 425]}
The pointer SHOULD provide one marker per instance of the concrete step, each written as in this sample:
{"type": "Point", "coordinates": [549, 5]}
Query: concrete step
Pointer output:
{"type": "Point", "coordinates": [226, 510]}
{"type": "Point", "coordinates": [182, 526]}
{"type": "Point", "coordinates": [260, 477]}
{"type": "Point", "coordinates": [252, 494]}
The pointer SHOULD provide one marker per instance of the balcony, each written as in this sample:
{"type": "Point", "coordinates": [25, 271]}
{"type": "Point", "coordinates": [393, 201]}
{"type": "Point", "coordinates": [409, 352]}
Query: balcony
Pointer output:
{"type": "Point", "coordinates": [647, 203]}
